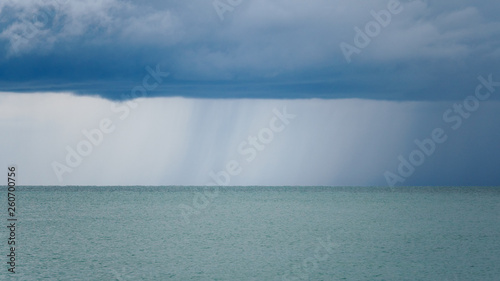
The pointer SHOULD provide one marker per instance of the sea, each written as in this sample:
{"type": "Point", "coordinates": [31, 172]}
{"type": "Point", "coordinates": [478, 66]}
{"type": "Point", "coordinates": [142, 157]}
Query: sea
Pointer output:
{"type": "Point", "coordinates": [253, 233]}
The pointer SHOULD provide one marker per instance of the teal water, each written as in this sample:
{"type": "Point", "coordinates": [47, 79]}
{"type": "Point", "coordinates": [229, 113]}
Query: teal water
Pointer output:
{"type": "Point", "coordinates": [255, 233]}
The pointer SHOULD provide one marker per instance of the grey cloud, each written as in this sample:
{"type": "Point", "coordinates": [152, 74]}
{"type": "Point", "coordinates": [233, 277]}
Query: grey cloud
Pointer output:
{"type": "Point", "coordinates": [260, 41]}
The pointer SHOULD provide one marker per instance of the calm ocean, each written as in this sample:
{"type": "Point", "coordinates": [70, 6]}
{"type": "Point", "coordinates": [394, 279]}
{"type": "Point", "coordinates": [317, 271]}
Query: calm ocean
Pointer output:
{"type": "Point", "coordinates": [255, 233]}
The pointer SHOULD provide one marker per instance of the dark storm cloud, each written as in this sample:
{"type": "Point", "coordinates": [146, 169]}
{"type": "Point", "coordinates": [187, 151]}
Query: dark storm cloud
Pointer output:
{"type": "Point", "coordinates": [262, 49]}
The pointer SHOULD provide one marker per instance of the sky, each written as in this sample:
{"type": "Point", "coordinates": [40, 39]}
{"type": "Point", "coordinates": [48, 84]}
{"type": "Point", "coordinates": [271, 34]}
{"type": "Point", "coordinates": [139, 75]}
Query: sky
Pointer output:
{"type": "Point", "coordinates": [250, 92]}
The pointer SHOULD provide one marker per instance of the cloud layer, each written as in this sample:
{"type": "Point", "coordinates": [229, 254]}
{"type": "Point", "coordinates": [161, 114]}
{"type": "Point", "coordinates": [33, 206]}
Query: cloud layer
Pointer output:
{"type": "Point", "coordinates": [429, 51]}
